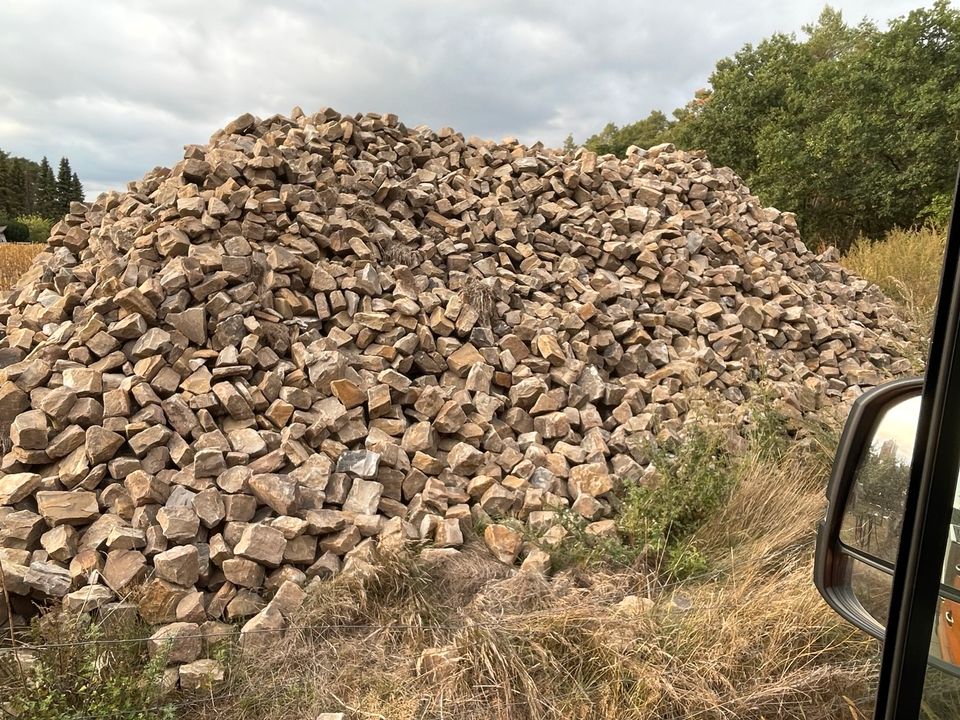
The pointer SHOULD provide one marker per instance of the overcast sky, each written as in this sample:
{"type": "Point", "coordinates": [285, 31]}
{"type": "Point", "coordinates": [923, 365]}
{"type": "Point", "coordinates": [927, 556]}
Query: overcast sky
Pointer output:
{"type": "Point", "coordinates": [119, 86]}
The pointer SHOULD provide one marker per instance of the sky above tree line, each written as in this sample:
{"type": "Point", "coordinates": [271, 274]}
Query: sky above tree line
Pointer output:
{"type": "Point", "coordinates": [119, 86]}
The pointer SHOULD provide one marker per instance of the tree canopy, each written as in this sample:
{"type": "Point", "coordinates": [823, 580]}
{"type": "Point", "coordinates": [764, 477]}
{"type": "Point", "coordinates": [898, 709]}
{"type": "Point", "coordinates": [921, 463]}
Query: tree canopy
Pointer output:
{"type": "Point", "coordinates": [854, 128]}
{"type": "Point", "coordinates": [28, 188]}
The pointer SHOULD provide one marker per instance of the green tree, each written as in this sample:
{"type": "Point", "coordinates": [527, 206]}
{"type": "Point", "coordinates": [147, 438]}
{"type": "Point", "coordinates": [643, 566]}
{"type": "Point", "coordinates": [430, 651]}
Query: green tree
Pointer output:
{"type": "Point", "coordinates": [855, 129]}
{"type": "Point", "coordinates": [747, 92]}
{"type": "Point", "coordinates": [76, 189]}
{"type": "Point", "coordinates": [4, 185]}
{"type": "Point", "coordinates": [643, 133]}
{"type": "Point", "coordinates": [46, 194]}
{"type": "Point", "coordinates": [18, 184]}
{"type": "Point", "coordinates": [64, 191]}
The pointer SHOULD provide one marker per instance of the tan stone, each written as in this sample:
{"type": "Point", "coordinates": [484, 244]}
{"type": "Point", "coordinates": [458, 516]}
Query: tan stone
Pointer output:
{"type": "Point", "coordinates": [463, 359]}
{"type": "Point", "coordinates": [158, 601]}
{"type": "Point", "coordinates": [17, 486]}
{"type": "Point", "coordinates": [592, 479]}
{"type": "Point", "coordinates": [48, 579]}
{"type": "Point", "coordinates": [348, 393]}
{"type": "Point", "coordinates": [504, 543]}
{"type": "Point", "coordinates": [178, 642]}
{"type": "Point", "coordinates": [262, 631]}
{"type": "Point", "coordinates": [178, 524]}
{"type": "Point", "coordinates": [124, 568]}
{"type": "Point", "coordinates": [279, 492]}
{"type": "Point", "coordinates": [262, 544]}
{"type": "Point", "coordinates": [101, 444]}
{"type": "Point", "coordinates": [61, 542]}
{"type": "Point", "coordinates": [76, 507]}
{"type": "Point", "coordinates": [243, 572]}
{"type": "Point", "coordinates": [179, 565]}
{"type": "Point", "coordinates": [204, 675]}
{"type": "Point", "coordinates": [364, 497]}
{"type": "Point", "coordinates": [29, 430]}
{"type": "Point", "coordinates": [87, 599]}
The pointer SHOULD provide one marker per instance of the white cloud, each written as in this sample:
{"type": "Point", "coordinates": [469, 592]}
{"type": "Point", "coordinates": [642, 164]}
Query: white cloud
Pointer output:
{"type": "Point", "coordinates": [120, 86]}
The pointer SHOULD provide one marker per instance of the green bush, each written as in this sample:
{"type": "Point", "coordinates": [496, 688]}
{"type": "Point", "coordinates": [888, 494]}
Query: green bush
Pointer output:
{"type": "Point", "coordinates": [16, 232]}
{"type": "Point", "coordinates": [696, 476]}
{"type": "Point", "coordinates": [656, 522]}
{"type": "Point", "coordinates": [90, 671]}
{"type": "Point", "coordinates": [39, 227]}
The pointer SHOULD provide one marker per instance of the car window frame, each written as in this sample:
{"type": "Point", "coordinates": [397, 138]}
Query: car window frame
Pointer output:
{"type": "Point", "coordinates": [928, 508]}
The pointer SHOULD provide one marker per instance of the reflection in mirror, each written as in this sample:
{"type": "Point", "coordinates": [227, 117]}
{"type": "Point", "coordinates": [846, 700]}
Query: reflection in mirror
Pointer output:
{"type": "Point", "coordinates": [874, 513]}
{"type": "Point", "coordinates": [872, 589]}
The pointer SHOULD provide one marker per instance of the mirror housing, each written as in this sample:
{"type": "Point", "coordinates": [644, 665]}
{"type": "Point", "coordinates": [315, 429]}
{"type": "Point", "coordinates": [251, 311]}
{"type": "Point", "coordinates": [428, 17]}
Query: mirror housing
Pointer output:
{"type": "Point", "coordinates": [834, 565]}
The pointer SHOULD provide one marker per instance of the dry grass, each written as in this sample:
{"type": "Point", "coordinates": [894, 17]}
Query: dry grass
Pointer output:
{"type": "Point", "coordinates": [14, 261]}
{"type": "Point", "coordinates": [751, 641]}
{"type": "Point", "coordinates": [906, 266]}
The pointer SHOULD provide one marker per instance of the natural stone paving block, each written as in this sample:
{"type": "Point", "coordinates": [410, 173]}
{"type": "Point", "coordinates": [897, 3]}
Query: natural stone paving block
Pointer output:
{"type": "Point", "coordinates": [319, 333]}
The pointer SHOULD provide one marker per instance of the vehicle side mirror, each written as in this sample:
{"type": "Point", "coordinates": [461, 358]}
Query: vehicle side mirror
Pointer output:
{"type": "Point", "coordinates": [857, 542]}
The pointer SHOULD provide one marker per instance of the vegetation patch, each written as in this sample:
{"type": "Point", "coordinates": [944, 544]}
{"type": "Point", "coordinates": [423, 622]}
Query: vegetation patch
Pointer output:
{"type": "Point", "coordinates": [76, 668]}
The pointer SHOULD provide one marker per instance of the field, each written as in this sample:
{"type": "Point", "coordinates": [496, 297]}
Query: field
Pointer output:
{"type": "Point", "coordinates": [14, 260]}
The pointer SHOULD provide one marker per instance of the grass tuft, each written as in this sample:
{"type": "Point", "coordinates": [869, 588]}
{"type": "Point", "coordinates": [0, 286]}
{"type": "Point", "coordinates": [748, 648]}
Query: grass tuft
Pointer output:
{"type": "Point", "coordinates": [906, 266]}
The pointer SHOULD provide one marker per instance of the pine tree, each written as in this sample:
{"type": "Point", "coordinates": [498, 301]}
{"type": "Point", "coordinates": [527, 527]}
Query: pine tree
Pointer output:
{"type": "Point", "coordinates": [46, 197]}
{"type": "Point", "coordinates": [17, 184]}
{"type": "Point", "coordinates": [4, 186]}
{"type": "Point", "coordinates": [76, 189]}
{"type": "Point", "coordinates": [31, 172]}
{"type": "Point", "coordinates": [64, 189]}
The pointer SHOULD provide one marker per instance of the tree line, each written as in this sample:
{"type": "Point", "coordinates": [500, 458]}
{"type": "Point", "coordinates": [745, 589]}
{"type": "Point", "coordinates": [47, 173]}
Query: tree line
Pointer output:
{"type": "Point", "coordinates": [853, 127]}
{"type": "Point", "coordinates": [32, 195]}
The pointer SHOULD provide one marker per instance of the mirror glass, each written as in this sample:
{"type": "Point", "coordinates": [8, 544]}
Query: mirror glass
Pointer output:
{"type": "Point", "coordinates": [872, 589]}
{"type": "Point", "coordinates": [873, 516]}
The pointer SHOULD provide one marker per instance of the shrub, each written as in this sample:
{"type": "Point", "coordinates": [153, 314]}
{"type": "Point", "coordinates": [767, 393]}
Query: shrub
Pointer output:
{"type": "Point", "coordinates": [39, 227]}
{"type": "Point", "coordinates": [695, 477]}
{"type": "Point", "coordinates": [16, 232]}
{"type": "Point", "coordinates": [81, 669]}
{"type": "Point", "coordinates": [937, 212]}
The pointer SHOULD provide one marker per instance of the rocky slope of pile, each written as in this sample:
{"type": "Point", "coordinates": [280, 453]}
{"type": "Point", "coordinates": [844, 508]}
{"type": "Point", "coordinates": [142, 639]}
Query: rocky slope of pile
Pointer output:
{"type": "Point", "coordinates": [320, 330]}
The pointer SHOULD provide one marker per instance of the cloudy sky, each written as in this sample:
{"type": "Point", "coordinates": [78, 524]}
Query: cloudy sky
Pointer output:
{"type": "Point", "coordinates": [119, 86]}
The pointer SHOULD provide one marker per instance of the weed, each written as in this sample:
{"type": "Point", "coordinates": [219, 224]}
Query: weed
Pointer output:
{"type": "Point", "coordinates": [695, 477]}
{"type": "Point", "coordinates": [81, 676]}
{"type": "Point", "coordinates": [580, 548]}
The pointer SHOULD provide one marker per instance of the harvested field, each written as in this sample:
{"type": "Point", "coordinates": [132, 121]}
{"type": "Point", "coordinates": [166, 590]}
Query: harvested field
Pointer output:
{"type": "Point", "coordinates": [14, 261]}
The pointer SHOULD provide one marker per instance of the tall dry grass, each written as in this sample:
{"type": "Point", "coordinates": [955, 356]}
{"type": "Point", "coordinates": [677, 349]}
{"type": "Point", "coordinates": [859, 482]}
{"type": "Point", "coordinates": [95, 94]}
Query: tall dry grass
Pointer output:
{"type": "Point", "coordinates": [906, 265]}
{"type": "Point", "coordinates": [751, 640]}
{"type": "Point", "coordinates": [15, 258]}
